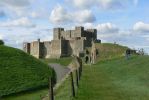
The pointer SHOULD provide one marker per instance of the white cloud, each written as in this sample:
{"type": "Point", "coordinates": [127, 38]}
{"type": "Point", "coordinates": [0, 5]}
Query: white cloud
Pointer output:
{"type": "Point", "coordinates": [15, 8]}
{"type": "Point", "coordinates": [59, 15]}
{"type": "Point", "coordinates": [2, 13]}
{"type": "Point", "coordinates": [21, 22]}
{"type": "Point", "coordinates": [1, 36]}
{"type": "Point", "coordinates": [40, 12]}
{"type": "Point", "coordinates": [14, 3]}
{"type": "Point", "coordinates": [107, 28]}
{"type": "Point", "coordinates": [104, 4]}
{"type": "Point", "coordinates": [109, 32]}
{"type": "Point", "coordinates": [17, 36]}
{"type": "Point", "coordinates": [141, 27]}
{"type": "Point", "coordinates": [34, 15]}
{"type": "Point", "coordinates": [145, 36]}
{"type": "Point", "coordinates": [111, 4]}
{"type": "Point", "coordinates": [136, 2]}
{"type": "Point", "coordinates": [83, 3]}
{"type": "Point", "coordinates": [103, 28]}
{"type": "Point", "coordinates": [84, 16]}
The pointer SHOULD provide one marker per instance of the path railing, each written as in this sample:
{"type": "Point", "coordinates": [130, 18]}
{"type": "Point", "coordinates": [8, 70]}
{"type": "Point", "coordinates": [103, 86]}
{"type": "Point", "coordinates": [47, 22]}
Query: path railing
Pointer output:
{"type": "Point", "coordinates": [75, 76]}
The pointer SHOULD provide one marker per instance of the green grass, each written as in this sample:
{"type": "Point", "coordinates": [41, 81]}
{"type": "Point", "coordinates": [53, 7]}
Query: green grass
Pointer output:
{"type": "Point", "coordinates": [64, 91]}
{"type": "Point", "coordinates": [65, 61]}
{"type": "Point", "coordinates": [66, 86]}
{"type": "Point", "coordinates": [21, 72]}
{"type": "Point", "coordinates": [116, 79]}
{"type": "Point", "coordinates": [30, 95]}
{"type": "Point", "coordinates": [110, 51]}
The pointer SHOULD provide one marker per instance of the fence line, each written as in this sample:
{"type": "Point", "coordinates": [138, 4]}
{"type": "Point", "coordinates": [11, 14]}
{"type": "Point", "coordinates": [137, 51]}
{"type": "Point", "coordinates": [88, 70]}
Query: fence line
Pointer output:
{"type": "Point", "coordinates": [78, 74]}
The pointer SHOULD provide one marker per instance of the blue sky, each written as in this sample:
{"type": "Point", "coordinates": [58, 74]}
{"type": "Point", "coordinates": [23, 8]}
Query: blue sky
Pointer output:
{"type": "Point", "coordinates": [123, 21]}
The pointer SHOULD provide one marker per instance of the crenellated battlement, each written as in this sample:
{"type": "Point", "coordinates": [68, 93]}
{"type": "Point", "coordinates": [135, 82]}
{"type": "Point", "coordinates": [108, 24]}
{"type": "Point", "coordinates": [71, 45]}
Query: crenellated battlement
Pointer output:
{"type": "Point", "coordinates": [60, 33]}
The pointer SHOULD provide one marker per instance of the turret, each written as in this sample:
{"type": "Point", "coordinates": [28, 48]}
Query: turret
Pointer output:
{"type": "Point", "coordinates": [79, 31]}
{"type": "Point", "coordinates": [57, 33]}
{"type": "Point", "coordinates": [93, 33]}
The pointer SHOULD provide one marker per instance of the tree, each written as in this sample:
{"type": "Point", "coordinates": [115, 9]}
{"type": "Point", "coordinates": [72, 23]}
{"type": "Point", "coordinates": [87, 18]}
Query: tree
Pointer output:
{"type": "Point", "coordinates": [1, 42]}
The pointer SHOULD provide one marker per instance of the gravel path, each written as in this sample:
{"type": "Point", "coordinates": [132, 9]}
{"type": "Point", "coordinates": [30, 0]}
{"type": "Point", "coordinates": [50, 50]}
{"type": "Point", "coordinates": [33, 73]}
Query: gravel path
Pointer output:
{"type": "Point", "coordinates": [60, 70]}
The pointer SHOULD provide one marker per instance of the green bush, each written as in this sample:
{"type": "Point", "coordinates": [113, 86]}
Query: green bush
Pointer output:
{"type": "Point", "coordinates": [1, 42]}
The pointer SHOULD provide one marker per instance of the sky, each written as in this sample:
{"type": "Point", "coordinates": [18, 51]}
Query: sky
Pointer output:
{"type": "Point", "coordinates": [125, 22]}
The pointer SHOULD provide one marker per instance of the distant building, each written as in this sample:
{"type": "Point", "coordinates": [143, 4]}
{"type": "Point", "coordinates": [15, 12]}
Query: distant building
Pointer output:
{"type": "Point", "coordinates": [64, 43]}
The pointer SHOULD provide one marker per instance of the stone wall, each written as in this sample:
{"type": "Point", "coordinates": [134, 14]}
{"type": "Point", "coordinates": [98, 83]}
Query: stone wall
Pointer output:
{"type": "Point", "coordinates": [46, 49]}
{"type": "Point", "coordinates": [26, 47]}
{"type": "Point", "coordinates": [79, 47]}
{"type": "Point", "coordinates": [35, 49]}
{"type": "Point", "coordinates": [76, 46]}
{"type": "Point", "coordinates": [55, 50]}
{"type": "Point", "coordinates": [65, 48]}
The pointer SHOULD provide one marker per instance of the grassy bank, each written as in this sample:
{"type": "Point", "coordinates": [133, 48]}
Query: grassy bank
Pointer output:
{"type": "Point", "coordinates": [118, 79]}
{"type": "Point", "coordinates": [110, 51]}
{"type": "Point", "coordinates": [62, 61]}
{"type": "Point", "coordinates": [21, 72]}
{"type": "Point", "coordinates": [28, 95]}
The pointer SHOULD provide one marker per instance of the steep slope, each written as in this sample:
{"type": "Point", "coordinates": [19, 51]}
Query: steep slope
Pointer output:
{"type": "Point", "coordinates": [20, 71]}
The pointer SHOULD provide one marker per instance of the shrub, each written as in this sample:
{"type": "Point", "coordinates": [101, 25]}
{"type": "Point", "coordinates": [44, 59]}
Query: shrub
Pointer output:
{"type": "Point", "coordinates": [1, 42]}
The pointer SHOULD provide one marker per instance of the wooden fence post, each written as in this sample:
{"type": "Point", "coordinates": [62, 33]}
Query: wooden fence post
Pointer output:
{"type": "Point", "coordinates": [72, 84]}
{"type": "Point", "coordinates": [51, 94]}
{"type": "Point", "coordinates": [80, 71]}
{"type": "Point", "coordinates": [77, 78]}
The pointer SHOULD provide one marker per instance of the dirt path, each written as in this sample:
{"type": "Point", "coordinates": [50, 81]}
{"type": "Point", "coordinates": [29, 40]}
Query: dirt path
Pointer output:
{"type": "Point", "coordinates": [60, 70]}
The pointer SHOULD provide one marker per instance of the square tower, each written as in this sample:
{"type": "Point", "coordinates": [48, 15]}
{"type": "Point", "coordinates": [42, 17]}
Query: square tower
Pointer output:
{"type": "Point", "coordinates": [57, 33]}
{"type": "Point", "coordinates": [92, 34]}
{"type": "Point", "coordinates": [79, 31]}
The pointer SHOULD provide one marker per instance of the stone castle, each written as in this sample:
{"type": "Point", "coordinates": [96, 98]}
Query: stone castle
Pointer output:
{"type": "Point", "coordinates": [64, 43]}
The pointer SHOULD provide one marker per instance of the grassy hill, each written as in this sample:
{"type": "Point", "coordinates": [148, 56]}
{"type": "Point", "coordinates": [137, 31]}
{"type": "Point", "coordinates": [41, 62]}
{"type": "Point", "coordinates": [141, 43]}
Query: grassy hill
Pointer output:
{"type": "Point", "coordinates": [20, 71]}
{"type": "Point", "coordinates": [113, 78]}
{"type": "Point", "coordinates": [110, 51]}
{"type": "Point", "coordinates": [116, 79]}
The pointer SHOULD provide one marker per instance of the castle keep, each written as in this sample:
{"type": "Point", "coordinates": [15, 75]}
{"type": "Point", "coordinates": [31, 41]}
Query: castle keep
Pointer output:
{"type": "Point", "coordinates": [64, 43]}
